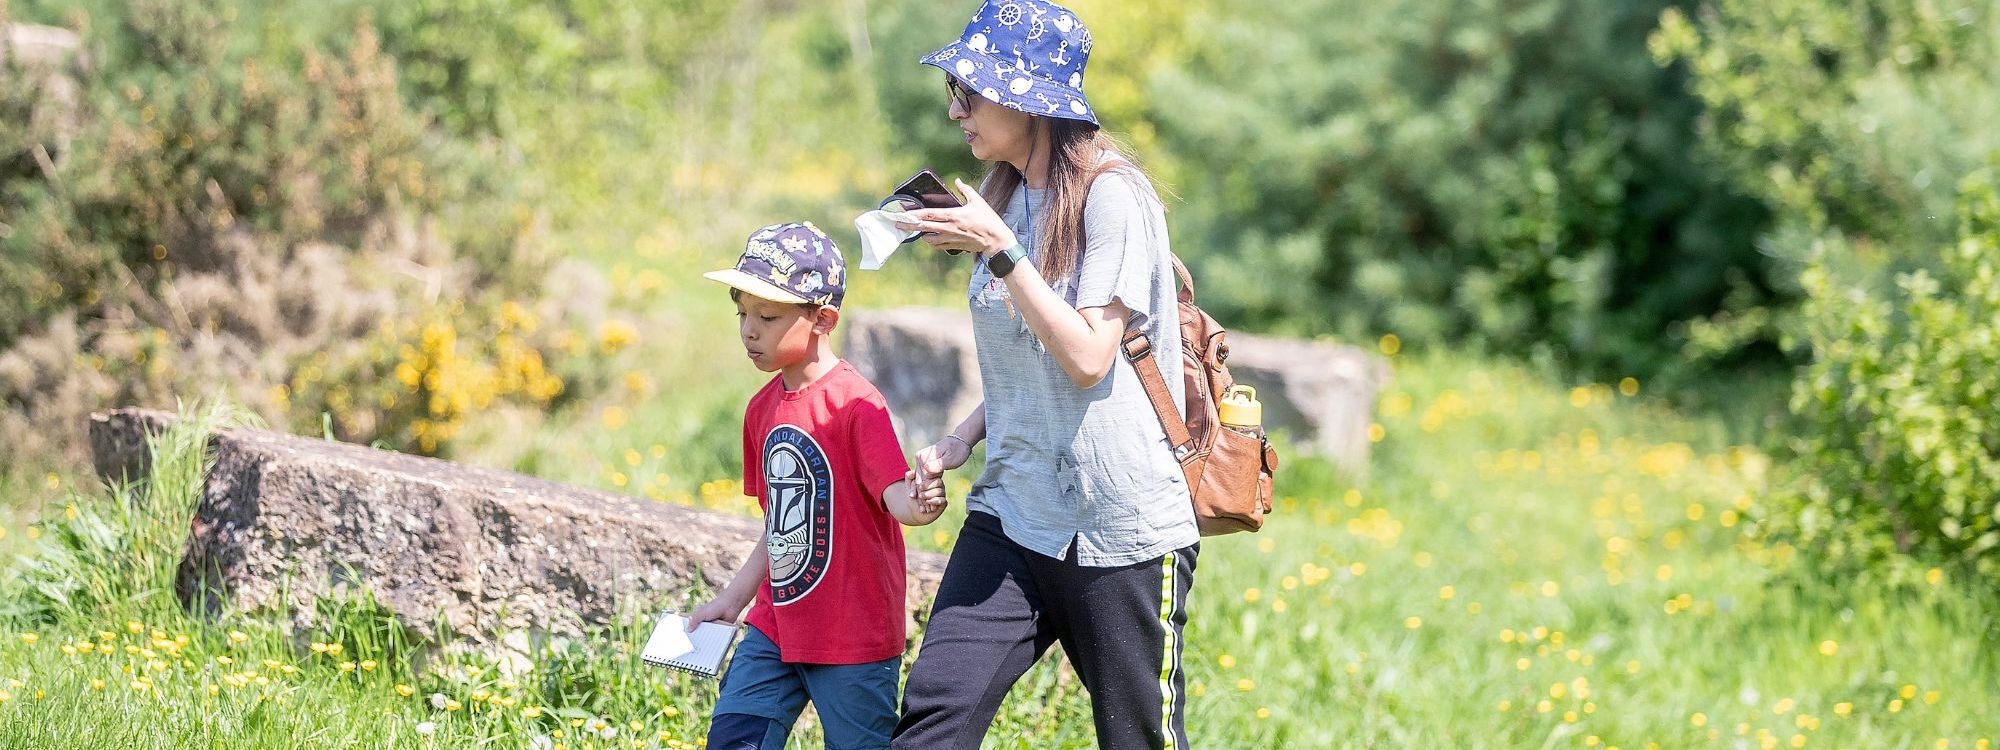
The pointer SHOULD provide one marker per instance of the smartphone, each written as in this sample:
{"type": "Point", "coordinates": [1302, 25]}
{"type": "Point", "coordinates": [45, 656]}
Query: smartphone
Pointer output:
{"type": "Point", "coordinates": [925, 190]}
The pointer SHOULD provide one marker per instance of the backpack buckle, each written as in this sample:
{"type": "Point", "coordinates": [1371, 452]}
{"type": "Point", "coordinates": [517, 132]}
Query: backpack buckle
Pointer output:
{"type": "Point", "coordinates": [1137, 347]}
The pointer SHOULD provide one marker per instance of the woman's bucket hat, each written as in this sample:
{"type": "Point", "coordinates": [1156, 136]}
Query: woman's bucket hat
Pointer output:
{"type": "Point", "coordinates": [1022, 54]}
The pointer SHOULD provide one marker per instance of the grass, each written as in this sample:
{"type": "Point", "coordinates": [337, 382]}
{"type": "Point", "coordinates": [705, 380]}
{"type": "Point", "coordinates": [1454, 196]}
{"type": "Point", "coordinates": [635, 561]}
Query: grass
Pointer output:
{"type": "Point", "coordinates": [1526, 566]}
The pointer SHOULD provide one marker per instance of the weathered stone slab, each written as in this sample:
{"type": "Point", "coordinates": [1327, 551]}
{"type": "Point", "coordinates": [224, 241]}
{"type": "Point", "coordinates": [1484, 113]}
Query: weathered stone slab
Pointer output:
{"type": "Point", "coordinates": [284, 517]}
{"type": "Point", "coordinates": [926, 365]}
{"type": "Point", "coordinates": [923, 361]}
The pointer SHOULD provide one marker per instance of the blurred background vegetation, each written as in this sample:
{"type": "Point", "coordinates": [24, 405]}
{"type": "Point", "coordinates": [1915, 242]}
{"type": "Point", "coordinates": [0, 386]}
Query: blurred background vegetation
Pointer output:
{"type": "Point", "coordinates": [472, 228]}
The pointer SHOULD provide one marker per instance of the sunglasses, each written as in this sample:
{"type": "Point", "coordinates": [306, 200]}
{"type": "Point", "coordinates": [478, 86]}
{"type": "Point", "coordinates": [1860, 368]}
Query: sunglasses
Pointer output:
{"type": "Point", "coordinates": [960, 95]}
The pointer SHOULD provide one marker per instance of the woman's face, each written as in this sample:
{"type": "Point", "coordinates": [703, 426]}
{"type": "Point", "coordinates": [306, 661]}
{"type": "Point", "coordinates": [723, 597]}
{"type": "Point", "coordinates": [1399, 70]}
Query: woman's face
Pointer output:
{"type": "Point", "coordinates": [993, 132]}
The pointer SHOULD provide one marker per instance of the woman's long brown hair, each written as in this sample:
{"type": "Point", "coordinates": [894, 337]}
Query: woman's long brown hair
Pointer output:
{"type": "Point", "coordinates": [1077, 151]}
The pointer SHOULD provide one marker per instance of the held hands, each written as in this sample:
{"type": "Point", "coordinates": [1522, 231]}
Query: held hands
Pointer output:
{"type": "Point", "coordinates": [974, 227]}
{"type": "Point", "coordinates": [927, 479]}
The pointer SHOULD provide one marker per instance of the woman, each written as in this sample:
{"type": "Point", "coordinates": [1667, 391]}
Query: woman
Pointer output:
{"type": "Point", "coordinates": [1080, 530]}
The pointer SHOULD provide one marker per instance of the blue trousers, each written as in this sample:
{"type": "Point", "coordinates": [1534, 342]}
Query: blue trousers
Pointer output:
{"type": "Point", "coordinates": [762, 696]}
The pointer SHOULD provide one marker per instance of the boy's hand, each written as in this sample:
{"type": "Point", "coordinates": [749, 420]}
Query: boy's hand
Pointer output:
{"type": "Point", "coordinates": [716, 610]}
{"type": "Point", "coordinates": [929, 496]}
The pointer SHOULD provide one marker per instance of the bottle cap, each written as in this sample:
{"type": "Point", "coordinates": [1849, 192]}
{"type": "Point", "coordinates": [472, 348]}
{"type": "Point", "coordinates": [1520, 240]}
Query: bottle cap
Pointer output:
{"type": "Point", "coordinates": [1239, 407]}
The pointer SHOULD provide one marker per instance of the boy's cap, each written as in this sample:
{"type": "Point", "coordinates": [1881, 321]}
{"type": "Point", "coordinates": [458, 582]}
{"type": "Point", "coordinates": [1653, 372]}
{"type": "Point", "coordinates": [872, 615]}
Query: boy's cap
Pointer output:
{"type": "Point", "coordinates": [794, 263]}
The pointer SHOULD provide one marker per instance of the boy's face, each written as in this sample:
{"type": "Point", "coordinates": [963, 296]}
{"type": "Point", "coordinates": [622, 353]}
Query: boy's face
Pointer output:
{"type": "Point", "coordinates": [777, 335]}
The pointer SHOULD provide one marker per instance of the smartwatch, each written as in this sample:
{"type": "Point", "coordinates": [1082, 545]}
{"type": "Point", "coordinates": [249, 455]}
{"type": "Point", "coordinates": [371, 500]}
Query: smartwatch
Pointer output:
{"type": "Point", "coordinates": [1003, 262]}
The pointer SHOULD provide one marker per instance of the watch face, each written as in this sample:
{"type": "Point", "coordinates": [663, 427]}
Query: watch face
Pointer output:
{"type": "Point", "coordinates": [1002, 263]}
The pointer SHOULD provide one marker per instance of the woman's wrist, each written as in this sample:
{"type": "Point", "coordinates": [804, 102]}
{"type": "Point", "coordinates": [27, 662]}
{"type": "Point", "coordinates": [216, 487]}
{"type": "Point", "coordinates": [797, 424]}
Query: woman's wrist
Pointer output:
{"type": "Point", "coordinates": [997, 245]}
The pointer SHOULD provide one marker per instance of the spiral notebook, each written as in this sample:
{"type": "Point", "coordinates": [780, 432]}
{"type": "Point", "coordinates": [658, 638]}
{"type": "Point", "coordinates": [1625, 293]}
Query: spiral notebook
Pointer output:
{"type": "Point", "coordinates": [700, 652]}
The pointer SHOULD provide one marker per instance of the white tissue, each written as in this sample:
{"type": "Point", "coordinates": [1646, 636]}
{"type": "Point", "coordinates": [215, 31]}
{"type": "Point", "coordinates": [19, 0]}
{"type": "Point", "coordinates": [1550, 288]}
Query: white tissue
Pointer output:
{"type": "Point", "coordinates": [880, 237]}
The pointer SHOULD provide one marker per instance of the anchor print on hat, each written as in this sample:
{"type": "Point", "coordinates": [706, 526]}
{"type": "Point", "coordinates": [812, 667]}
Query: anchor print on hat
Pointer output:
{"type": "Point", "coordinates": [1027, 55]}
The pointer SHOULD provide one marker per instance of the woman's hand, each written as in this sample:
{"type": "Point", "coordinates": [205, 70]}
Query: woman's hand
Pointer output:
{"type": "Point", "coordinates": [927, 479]}
{"type": "Point", "coordinates": [974, 227]}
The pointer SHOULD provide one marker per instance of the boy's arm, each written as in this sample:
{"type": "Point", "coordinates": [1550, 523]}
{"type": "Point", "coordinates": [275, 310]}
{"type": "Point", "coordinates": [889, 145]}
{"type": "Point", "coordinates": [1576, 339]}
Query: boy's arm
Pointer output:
{"type": "Point", "coordinates": [728, 605]}
{"type": "Point", "coordinates": [910, 509]}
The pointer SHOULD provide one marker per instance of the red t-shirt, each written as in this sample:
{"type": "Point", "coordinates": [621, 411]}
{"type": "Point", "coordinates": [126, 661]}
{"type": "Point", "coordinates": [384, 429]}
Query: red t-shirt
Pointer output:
{"type": "Point", "coordinates": [817, 460]}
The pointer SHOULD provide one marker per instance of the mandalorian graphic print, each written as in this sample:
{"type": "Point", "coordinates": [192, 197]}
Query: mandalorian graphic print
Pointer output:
{"type": "Point", "coordinates": [798, 511]}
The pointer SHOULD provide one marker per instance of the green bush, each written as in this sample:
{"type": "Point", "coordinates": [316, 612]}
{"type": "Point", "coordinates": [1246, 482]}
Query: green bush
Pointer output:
{"type": "Point", "coordinates": [1900, 451]}
{"type": "Point", "coordinates": [1869, 131]}
{"type": "Point", "coordinates": [269, 223]}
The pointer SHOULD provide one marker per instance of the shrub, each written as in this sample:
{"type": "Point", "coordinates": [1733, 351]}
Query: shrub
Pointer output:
{"type": "Point", "coordinates": [1899, 452]}
{"type": "Point", "coordinates": [275, 226]}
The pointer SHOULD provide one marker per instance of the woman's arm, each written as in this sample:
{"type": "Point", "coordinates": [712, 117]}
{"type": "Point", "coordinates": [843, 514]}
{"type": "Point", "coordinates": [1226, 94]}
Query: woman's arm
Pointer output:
{"type": "Point", "coordinates": [1083, 342]}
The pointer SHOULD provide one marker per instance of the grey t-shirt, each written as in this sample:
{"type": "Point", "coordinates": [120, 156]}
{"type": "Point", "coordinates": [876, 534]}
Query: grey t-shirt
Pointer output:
{"type": "Point", "coordinates": [1092, 466]}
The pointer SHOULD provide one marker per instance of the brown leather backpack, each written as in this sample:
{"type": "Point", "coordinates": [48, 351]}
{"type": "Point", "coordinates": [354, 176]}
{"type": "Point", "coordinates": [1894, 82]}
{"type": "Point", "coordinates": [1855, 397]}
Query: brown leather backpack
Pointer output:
{"type": "Point", "coordinates": [1229, 473]}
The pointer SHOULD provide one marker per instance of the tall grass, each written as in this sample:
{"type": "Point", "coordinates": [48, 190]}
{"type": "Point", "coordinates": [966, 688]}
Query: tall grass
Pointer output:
{"type": "Point", "coordinates": [1526, 566]}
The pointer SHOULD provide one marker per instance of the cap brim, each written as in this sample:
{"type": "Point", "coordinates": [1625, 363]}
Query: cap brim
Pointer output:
{"type": "Point", "coordinates": [755, 286]}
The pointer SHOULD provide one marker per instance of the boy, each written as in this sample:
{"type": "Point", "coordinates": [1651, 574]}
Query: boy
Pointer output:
{"type": "Point", "coordinates": [827, 575]}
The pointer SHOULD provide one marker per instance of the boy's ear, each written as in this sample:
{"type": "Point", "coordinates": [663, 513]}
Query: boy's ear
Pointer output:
{"type": "Point", "coordinates": [825, 319]}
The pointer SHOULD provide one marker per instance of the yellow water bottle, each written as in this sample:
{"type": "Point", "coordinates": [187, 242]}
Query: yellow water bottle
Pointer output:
{"type": "Point", "coordinates": [1239, 410]}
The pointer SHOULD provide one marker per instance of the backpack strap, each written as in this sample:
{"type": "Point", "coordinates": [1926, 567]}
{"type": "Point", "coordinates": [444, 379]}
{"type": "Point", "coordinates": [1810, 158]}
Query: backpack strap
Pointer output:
{"type": "Point", "coordinates": [1139, 351]}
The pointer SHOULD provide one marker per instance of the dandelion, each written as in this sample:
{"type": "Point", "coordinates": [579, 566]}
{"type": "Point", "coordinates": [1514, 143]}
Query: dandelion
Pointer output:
{"type": "Point", "coordinates": [30, 638]}
{"type": "Point", "coordinates": [368, 665]}
{"type": "Point", "coordinates": [224, 660]}
{"type": "Point", "coordinates": [1843, 708]}
{"type": "Point", "coordinates": [438, 700]}
{"type": "Point", "coordinates": [427, 728]}
{"type": "Point", "coordinates": [1263, 713]}
{"type": "Point", "coordinates": [1447, 592]}
{"type": "Point", "coordinates": [1246, 685]}
{"type": "Point", "coordinates": [1931, 697]}
{"type": "Point", "coordinates": [405, 690]}
{"type": "Point", "coordinates": [1934, 576]}
{"type": "Point", "coordinates": [531, 712]}
{"type": "Point", "coordinates": [1227, 661]}
{"type": "Point", "coordinates": [347, 666]}
{"type": "Point", "coordinates": [1828, 648]}
{"type": "Point", "coordinates": [1252, 595]}
{"type": "Point", "coordinates": [1699, 719]}
{"type": "Point", "coordinates": [1413, 622]}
